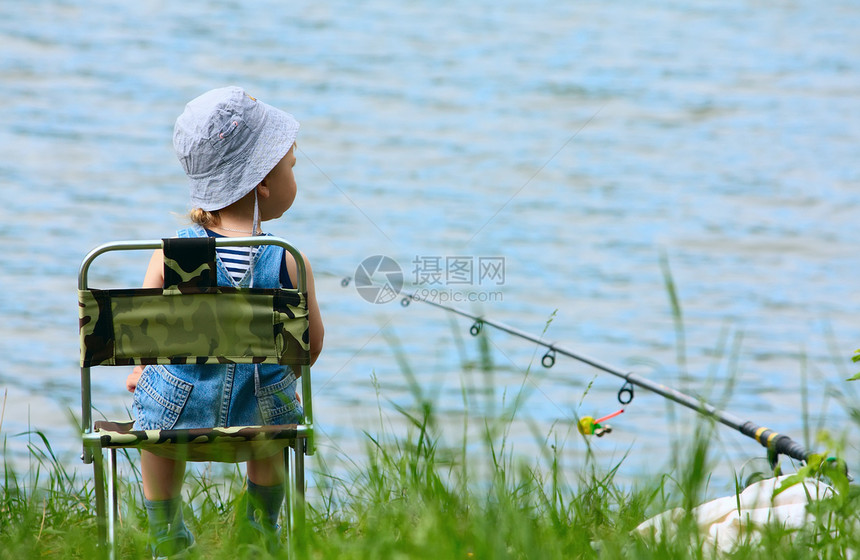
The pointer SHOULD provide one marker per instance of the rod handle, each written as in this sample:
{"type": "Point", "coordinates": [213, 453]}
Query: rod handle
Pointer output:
{"type": "Point", "coordinates": [780, 443]}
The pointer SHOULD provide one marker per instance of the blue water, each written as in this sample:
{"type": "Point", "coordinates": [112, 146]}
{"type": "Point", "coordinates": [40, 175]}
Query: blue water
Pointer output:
{"type": "Point", "coordinates": [582, 142]}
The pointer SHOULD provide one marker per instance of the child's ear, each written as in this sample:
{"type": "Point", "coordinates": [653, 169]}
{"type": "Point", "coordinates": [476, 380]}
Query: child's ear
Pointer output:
{"type": "Point", "coordinates": [263, 189]}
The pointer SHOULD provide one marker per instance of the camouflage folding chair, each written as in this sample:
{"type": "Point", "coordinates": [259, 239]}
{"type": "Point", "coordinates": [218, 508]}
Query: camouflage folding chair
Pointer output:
{"type": "Point", "coordinates": [138, 326]}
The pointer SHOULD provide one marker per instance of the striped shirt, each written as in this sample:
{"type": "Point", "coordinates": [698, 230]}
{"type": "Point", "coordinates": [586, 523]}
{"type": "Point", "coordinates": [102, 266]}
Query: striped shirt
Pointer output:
{"type": "Point", "coordinates": [237, 261]}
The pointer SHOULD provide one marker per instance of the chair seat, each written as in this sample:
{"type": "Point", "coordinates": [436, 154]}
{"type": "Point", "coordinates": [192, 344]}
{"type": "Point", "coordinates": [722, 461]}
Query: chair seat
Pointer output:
{"type": "Point", "coordinates": [227, 445]}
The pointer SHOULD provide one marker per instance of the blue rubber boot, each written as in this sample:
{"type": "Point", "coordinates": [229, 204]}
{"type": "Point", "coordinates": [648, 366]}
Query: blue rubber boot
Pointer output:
{"type": "Point", "coordinates": [263, 509]}
{"type": "Point", "coordinates": [170, 537]}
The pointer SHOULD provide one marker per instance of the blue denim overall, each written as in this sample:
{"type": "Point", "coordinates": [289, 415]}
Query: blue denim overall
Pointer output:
{"type": "Point", "coordinates": [203, 396]}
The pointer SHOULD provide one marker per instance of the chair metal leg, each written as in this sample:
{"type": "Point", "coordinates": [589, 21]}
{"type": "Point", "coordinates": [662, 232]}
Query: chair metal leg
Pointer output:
{"type": "Point", "coordinates": [299, 485]}
{"type": "Point", "coordinates": [295, 498]}
{"type": "Point", "coordinates": [113, 510]}
{"type": "Point", "coordinates": [101, 506]}
{"type": "Point", "coordinates": [300, 470]}
{"type": "Point", "coordinates": [288, 498]}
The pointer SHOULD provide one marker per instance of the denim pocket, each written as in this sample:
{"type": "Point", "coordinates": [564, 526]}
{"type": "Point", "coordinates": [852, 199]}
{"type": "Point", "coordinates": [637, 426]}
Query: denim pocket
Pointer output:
{"type": "Point", "coordinates": [159, 399]}
{"type": "Point", "coordinates": [278, 403]}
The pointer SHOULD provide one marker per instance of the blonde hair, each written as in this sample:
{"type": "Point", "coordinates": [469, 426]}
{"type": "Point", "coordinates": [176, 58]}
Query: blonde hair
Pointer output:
{"type": "Point", "coordinates": [204, 218]}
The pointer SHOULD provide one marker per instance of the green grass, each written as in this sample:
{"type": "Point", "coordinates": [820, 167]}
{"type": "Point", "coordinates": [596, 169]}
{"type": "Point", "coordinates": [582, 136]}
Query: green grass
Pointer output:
{"type": "Point", "coordinates": [417, 494]}
{"type": "Point", "coordinates": [414, 497]}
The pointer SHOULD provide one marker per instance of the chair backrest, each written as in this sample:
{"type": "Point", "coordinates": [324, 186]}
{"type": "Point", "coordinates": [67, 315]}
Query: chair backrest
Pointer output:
{"type": "Point", "coordinates": [192, 319]}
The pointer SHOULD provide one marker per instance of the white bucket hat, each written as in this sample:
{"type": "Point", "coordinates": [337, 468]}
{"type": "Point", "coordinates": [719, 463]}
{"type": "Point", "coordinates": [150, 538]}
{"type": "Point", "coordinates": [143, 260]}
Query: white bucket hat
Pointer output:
{"type": "Point", "coordinates": [227, 142]}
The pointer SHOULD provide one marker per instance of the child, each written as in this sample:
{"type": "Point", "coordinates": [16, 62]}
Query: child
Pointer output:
{"type": "Point", "coordinates": [239, 155]}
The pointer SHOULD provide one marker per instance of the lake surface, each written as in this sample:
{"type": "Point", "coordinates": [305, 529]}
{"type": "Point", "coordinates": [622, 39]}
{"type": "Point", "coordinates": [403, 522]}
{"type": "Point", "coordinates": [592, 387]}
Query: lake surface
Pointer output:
{"type": "Point", "coordinates": [577, 143]}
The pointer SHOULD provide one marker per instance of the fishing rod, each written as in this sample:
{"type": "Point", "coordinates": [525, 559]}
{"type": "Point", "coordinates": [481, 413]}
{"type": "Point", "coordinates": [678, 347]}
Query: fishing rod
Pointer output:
{"type": "Point", "coordinates": [776, 443]}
